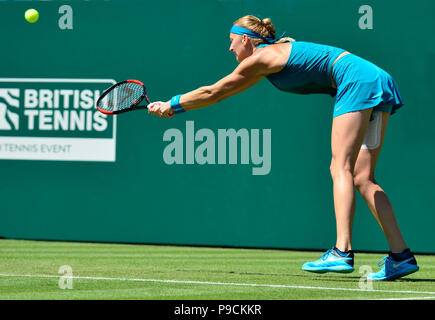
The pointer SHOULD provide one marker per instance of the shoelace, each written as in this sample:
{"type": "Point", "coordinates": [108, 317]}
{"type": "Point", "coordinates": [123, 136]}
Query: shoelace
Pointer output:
{"type": "Point", "coordinates": [326, 254]}
{"type": "Point", "coordinates": [383, 261]}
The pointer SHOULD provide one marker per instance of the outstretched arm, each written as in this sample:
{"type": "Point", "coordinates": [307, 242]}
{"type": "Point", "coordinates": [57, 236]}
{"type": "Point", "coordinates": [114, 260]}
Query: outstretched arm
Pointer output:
{"type": "Point", "coordinates": [248, 72]}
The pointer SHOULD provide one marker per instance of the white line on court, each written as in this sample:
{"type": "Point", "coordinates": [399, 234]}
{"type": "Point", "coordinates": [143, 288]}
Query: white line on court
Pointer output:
{"type": "Point", "coordinates": [217, 283]}
{"type": "Point", "coordinates": [412, 298]}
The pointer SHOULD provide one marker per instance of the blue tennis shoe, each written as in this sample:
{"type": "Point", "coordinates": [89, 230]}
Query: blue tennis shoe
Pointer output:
{"type": "Point", "coordinates": [331, 261]}
{"type": "Point", "coordinates": [392, 269]}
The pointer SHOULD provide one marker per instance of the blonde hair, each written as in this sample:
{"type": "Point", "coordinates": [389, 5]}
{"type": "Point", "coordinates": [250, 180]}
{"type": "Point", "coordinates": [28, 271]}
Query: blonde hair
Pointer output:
{"type": "Point", "coordinates": [264, 27]}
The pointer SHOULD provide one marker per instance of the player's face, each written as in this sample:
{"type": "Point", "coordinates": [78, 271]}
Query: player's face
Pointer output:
{"type": "Point", "coordinates": [239, 46]}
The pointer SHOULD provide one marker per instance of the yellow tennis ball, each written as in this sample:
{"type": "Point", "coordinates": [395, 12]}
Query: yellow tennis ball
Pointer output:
{"type": "Point", "coordinates": [31, 15]}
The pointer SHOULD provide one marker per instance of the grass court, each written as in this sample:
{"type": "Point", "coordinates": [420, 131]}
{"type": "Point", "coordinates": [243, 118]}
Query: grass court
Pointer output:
{"type": "Point", "coordinates": [30, 270]}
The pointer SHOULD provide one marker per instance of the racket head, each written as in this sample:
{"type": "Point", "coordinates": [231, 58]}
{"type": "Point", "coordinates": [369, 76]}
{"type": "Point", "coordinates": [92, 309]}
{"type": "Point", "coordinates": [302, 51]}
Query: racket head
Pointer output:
{"type": "Point", "coordinates": [122, 97]}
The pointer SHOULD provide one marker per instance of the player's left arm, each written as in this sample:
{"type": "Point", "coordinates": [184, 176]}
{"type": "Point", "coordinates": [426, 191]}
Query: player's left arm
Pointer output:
{"type": "Point", "coordinates": [248, 72]}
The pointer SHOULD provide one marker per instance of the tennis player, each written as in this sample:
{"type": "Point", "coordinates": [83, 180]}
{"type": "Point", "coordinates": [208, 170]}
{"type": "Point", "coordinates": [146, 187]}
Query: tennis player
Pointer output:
{"type": "Point", "coordinates": [366, 96]}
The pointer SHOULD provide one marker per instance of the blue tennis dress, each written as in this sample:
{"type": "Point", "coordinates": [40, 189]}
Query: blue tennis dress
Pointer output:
{"type": "Point", "coordinates": [360, 83]}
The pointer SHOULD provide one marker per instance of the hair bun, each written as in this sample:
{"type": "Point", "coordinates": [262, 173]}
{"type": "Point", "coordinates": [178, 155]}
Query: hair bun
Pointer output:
{"type": "Point", "coordinates": [266, 21]}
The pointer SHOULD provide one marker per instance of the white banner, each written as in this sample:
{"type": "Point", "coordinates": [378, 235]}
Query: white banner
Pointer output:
{"type": "Point", "coordinates": [55, 119]}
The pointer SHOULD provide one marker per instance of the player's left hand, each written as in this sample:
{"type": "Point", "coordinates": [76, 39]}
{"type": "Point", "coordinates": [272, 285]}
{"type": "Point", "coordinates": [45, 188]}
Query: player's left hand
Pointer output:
{"type": "Point", "coordinates": [161, 109]}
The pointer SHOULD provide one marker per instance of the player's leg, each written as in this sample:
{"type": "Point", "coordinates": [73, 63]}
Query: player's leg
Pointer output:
{"type": "Point", "coordinates": [373, 194]}
{"type": "Point", "coordinates": [379, 204]}
{"type": "Point", "coordinates": [348, 131]}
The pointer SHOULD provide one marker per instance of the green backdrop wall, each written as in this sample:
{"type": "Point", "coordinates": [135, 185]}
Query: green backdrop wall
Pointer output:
{"type": "Point", "coordinates": [177, 46]}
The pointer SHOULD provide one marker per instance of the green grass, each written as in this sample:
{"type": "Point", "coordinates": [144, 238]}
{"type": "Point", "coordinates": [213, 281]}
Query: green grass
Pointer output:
{"type": "Point", "coordinates": [129, 266]}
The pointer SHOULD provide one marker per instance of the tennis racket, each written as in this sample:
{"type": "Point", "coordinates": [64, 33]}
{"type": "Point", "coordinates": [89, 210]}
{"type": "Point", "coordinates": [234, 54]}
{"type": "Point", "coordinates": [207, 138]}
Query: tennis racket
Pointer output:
{"type": "Point", "coordinates": [122, 97]}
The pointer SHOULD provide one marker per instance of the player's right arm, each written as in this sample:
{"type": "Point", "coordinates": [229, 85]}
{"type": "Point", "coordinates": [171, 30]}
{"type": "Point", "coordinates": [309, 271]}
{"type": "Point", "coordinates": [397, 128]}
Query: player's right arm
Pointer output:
{"type": "Point", "coordinates": [250, 71]}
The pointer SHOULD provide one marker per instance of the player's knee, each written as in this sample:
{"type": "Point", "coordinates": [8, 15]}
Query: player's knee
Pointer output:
{"type": "Point", "coordinates": [361, 180]}
{"type": "Point", "coordinates": [332, 169]}
{"type": "Point", "coordinates": [340, 168]}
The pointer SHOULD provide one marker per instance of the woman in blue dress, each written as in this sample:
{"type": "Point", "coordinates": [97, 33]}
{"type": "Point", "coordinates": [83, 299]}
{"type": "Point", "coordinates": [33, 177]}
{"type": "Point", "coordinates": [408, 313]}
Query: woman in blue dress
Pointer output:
{"type": "Point", "coordinates": [366, 96]}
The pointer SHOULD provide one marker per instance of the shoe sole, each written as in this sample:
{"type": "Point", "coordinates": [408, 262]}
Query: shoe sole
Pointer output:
{"type": "Point", "coordinates": [397, 276]}
{"type": "Point", "coordinates": [329, 270]}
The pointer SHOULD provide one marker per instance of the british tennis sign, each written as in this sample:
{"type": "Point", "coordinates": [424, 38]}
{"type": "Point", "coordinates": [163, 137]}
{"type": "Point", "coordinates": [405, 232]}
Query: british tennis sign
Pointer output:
{"type": "Point", "coordinates": [55, 119]}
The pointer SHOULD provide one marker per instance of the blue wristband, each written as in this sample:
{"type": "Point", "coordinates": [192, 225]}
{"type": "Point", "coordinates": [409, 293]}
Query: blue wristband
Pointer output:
{"type": "Point", "coordinates": [175, 104]}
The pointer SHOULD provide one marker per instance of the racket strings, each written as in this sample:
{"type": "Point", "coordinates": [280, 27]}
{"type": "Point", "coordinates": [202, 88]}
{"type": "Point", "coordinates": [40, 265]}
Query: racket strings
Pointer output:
{"type": "Point", "coordinates": [122, 97]}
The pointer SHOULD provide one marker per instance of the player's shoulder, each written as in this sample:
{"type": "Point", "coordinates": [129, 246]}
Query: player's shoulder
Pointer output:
{"type": "Point", "coordinates": [273, 56]}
